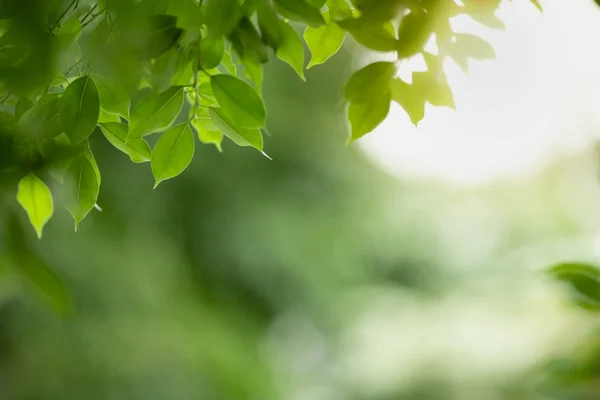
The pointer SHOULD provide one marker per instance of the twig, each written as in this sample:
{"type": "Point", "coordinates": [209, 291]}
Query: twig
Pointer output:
{"type": "Point", "coordinates": [94, 16]}
{"type": "Point", "coordinates": [73, 2]}
{"type": "Point", "coordinates": [5, 98]}
{"type": "Point", "coordinates": [87, 14]}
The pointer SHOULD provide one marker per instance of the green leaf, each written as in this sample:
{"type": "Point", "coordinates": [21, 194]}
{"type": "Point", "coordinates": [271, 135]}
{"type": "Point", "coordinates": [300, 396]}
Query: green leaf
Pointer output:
{"type": "Point", "coordinates": [222, 16]}
{"type": "Point", "coordinates": [323, 41]}
{"type": "Point", "coordinates": [172, 153]}
{"type": "Point", "coordinates": [35, 198]}
{"type": "Point", "coordinates": [413, 33]}
{"type": "Point", "coordinates": [584, 281]}
{"type": "Point", "coordinates": [136, 148]}
{"type": "Point", "coordinates": [211, 52]}
{"type": "Point", "coordinates": [291, 49]}
{"type": "Point", "coordinates": [42, 120]}
{"type": "Point", "coordinates": [79, 108]}
{"type": "Point", "coordinates": [113, 97]}
{"type": "Point", "coordinates": [409, 98]}
{"type": "Point", "coordinates": [88, 154]}
{"type": "Point", "coordinates": [22, 106]}
{"type": "Point", "coordinates": [253, 70]}
{"type": "Point", "coordinates": [316, 3]}
{"type": "Point", "coordinates": [378, 36]}
{"type": "Point", "coordinates": [108, 117]}
{"type": "Point", "coordinates": [472, 46]}
{"type": "Point", "coordinates": [339, 9]}
{"type": "Point", "coordinates": [301, 11]}
{"type": "Point", "coordinates": [228, 64]}
{"type": "Point", "coordinates": [370, 81]}
{"type": "Point", "coordinates": [366, 116]}
{"type": "Point", "coordinates": [82, 187]}
{"type": "Point", "coordinates": [161, 35]}
{"type": "Point", "coordinates": [155, 112]}
{"type": "Point", "coordinates": [378, 11]}
{"type": "Point", "coordinates": [248, 42]}
{"type": "Point", "coordinates": [269, 22]}
{"type": "Point", "coordinates": [240, 136]}
{"type": "Point", "coordinates": [205, 128]}
{"type": "Point", "coordinates": [537, 4]}
{"type": "Point", "coordinates": [239, 101]}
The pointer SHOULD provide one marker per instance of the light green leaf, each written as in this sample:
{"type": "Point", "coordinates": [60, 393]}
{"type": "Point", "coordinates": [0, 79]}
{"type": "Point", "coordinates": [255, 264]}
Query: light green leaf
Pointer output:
{"type": "Point", "coordinates": [222, 16]}
{"type": "Point", "coordinates": [339, 9]}
{"type": "Point", "coordinates": [228, 64]}
{"type": "Point", "coordinates": [253, 70]}
{"type": "Point", "coordinates": [378, 36]}
{"type": "Point", "coordinates": [301, 11]}
{"type": "Point", "coordinates": [90, 156]}
{"type": "Point", "coordinates": [323, 41]}
{"type": "Point", "coordinates": [413, 33]}
{"type": "Point", "coordinates": [155, 112]}
{"type": "Point", "coordinates": [472, 46]}
{"type": "Point", "coordinates": [79, 108]}
{"type": "Point", "coordinates": [136, 148]}
{"type": "Point", "coordinates": [240, 136]}
{"type": "Point", "coordinates": [82, 187]}
{"type": "Point", "coordinates": [205, 128]}
{"type": "Point", "coordinates": [113, 97]}
{"type": "Point", "coordinates": [409, 98]}
{"type": "Point", "coordinates": [537, 5]}
{"type": "Point", "coordinates": [366, 116]}
{"type": "Point", "coordinates": [370, 81]}
{"type": "Point", "coordinates": [291, 49]}
{"type": "Point", "coordinates": [211, 52]}
{"type": "Point", "coordinates": [172, 153]}
{"type": "Point", "coordinates": [35, 198]}
{"type": "Point", "coordinates": [108, 117]}
{"type": "Point", "coordinates": [239, 101]}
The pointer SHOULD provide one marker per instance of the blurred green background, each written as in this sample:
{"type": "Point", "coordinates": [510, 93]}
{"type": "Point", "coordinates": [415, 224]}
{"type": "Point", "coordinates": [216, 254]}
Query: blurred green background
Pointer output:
{"type": "Point", "coordinates": [315, 276]}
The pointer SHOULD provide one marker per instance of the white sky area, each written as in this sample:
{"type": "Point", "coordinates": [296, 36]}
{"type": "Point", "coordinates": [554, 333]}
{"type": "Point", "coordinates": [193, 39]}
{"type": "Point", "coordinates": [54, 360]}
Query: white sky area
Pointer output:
{"type": "Point", "coordinates": [539, 98]}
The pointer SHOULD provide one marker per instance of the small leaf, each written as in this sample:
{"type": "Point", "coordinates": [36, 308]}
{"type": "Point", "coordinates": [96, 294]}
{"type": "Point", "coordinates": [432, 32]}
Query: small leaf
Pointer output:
{"type": "Point", "coordinates": [136, 148]}
{"type": "Point", "coordinates": [222, 16]}
{"type": "Point", "coordinates": [239, 101]}
{"type": "Point", "coordinates": [82, 188]}
{"type": "Point", "coordinates": [366, 116]}
{"type": "Point", "coordinates": [36, 199]}
{"type": "Point", "coordinates": [301, 11]}
{"type": "Point", "coordinates": [240, 136]}
{"type": "Point", "coordinates": [205, 128]}
{"type": "Point", "coordinates": [370, 80]}
{"type": "Point", "coordinates": [211, 52]}
{"type": "Point", "coordinates": [409, 98]}
{"type": "Point", "coordinates": [113, 97]}
{"type": "Point", "coordinates": [155, 112]}
{"type": "Point", "coordinates": [323, 41]}
{"type": "Point", "coordinates": [172, 153]}
{"type": "Point", "coordinates": [413, 33]}
{"type": "Point", "coordinates": [291, 49]}
{"type": "Point", "coordinates": [79, 108]}
{"type": "Point", "coordinates": [584, 280]}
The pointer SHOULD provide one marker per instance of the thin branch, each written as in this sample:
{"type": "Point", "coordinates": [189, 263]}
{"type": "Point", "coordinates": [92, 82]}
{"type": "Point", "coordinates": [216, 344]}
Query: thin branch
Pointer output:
{"type": "Point", "coordinates": [6, 97]}
{"type": "Point", "coordinates": [94, 16]}
{"type": "Point", "coordinates": [59, 19]}
{"type": "Point", "coordinates": [87, 14]}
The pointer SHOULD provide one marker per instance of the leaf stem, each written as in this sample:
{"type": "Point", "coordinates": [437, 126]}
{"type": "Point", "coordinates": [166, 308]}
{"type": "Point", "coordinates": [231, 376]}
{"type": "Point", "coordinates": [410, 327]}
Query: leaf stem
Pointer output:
{"type": "Point", "coordinates": [59, 19]}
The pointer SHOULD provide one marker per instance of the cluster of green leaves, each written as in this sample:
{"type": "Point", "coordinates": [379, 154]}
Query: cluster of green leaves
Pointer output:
{"type": "Point", "coordinates": [183, 69]}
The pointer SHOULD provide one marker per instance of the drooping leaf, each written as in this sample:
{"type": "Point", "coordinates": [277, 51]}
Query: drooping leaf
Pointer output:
{"type": "Point", "coordinates": [172, 153]}
{"type": "Point", "coordinates": [323, 41]}
{"type": "Point", "coordinates": [79, 108]}
{"type": "Point", "coordinates": [253, 71]}
{"type": "Point", "coordinates": [301, 11]}
{"type": "Point", "coordinates": [222, 16]}
{"type": "Point", "coordinates": [113, 97]}
{"type": "Point", "coordinates": [155, 112]}
{"type": "Point", "coordinates": [35, 198]}
{"type": "Point", "coordinates": [161, 35]}
{"type": "Point", "coordinates": [366, 116]}
{"type": "Point", "coordinates": [583, 279]}
{"type": "Point", "coordinates": [90, 156]}
{"type": "Point", "coordinates": [205, 128]}
{"type": "Point", "coordinates": [370, 80]}
{"type": "Point", "coordinates": [291, 49]}
{"type": "Point", "coordinates": [248, 42]}
{"type": "Point", "coordinates": [211, 52]}
{"type": "Point", "coordinates": [269, 22]}
{"type": "Point", "coordinates": [136, 148]}
{"type": "Point", "coordinates": [339, 9]}
{"type": "Point", "coordinates": [240, 136]}
{"type": "Point", "coordinates": [239, 101]}
{"type": "Point", "coordinates": [409, 98]}
{"type": "Point", "coordinates": [82, 187]}
{"type": "Point", "coordinates": [413, 33]}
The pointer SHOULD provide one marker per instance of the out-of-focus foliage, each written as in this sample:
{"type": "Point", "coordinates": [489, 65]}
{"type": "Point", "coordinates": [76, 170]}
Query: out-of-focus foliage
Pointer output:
{"type": "Point", "coordinates": [70, 69]}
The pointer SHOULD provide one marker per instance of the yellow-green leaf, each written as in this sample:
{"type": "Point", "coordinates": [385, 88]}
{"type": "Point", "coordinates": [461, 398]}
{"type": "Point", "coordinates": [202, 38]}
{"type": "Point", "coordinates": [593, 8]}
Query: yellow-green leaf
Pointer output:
{"type": "Point", "coordinates": [240, 136]}
{"type": "Point", "coordinates": [323, 41]}
{"type": "Point", "coordinates": [113, 97]}
{"type": "Point", "coordinates": [137, 149]}
{"type": "Point", "coordinates": [172, 153]}
{"type": "Point", "coordinates": [239, 101]}
{"type": "Point", "coordinates": [291, 49]}
{"type": "Point", "coordinates": [155, 112]}
{"type": "Point", "coordinates": [35, 198]}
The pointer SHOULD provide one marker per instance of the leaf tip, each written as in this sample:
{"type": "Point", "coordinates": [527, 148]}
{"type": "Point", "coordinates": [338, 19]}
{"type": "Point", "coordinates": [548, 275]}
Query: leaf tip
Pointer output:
{"type": "Point", "coordinates": [266, 155]}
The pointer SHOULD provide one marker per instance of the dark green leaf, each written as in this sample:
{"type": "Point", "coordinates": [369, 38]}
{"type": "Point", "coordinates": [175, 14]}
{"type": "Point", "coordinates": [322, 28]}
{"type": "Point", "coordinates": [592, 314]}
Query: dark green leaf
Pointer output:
{"type": "Point", "coordinates": [172, 153]}
{"type": "Point", "coordinates": [136, 148]}
{"type": "Point", "coordinates": [79, 108]}
{"type": "Point", "coordinates": [269, 22]}
{"type": "Point", "coordinates": [155, 112]}
{"type": "Point", "coordinates": [584, 280]}
{"type": "Point", "coordinates": [22, 106]}
{"type": "Point", "coordinates": [161, 36]}
{"type": "Point", "coordinates": [222, 16]}
{"type": "Point", "coordinates": [239, 101]}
